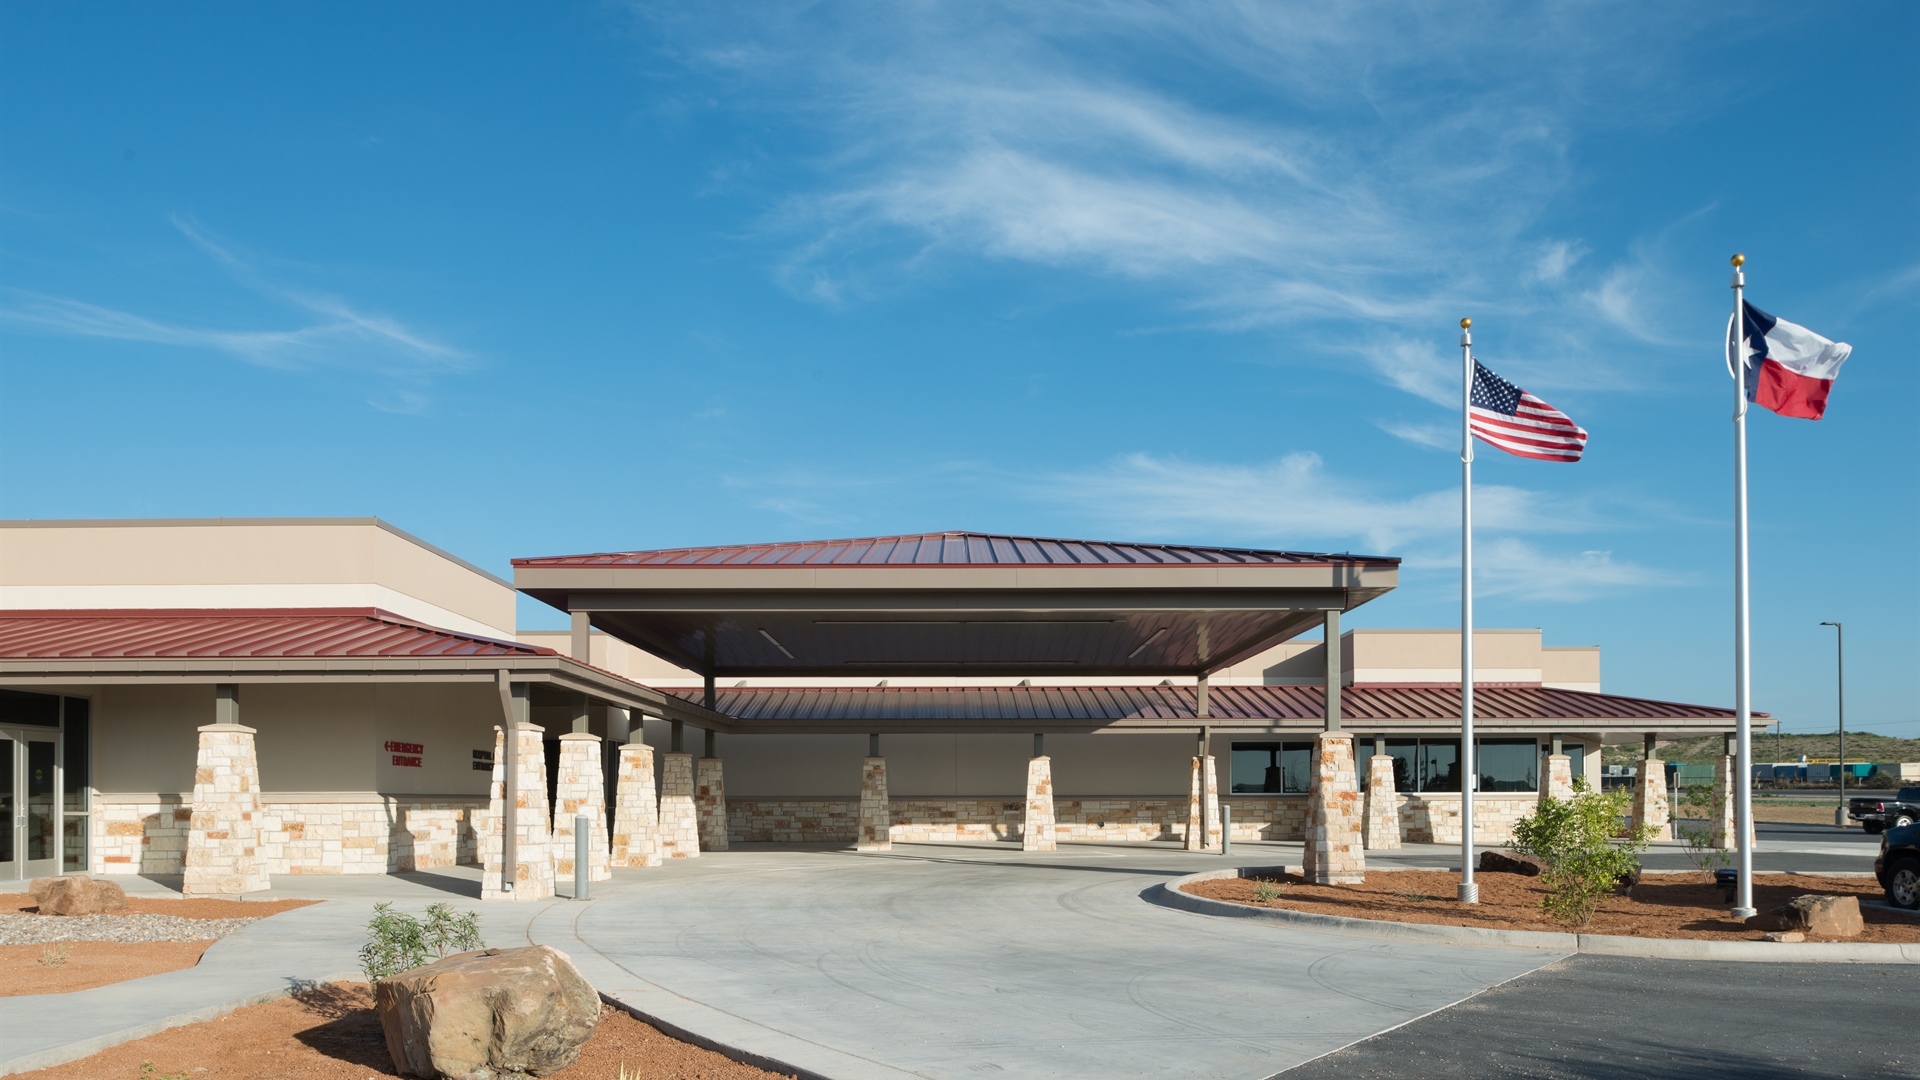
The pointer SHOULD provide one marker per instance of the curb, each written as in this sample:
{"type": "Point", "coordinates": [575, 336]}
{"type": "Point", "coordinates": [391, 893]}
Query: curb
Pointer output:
{"type": "Point", "coordinates": [1170, 894]}
{"type": "Point", "coordinates": [74, 1051]}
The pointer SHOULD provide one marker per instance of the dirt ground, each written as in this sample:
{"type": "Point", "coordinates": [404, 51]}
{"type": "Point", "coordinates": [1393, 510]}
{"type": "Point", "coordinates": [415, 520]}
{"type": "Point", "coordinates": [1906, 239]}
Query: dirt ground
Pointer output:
{"type": "Point", "coordinates": [88, 964]}
{"type": "Point", "coordinates": [1797, 815]}
{"type": "Point", "coordinates": [332, 1033]}
{"type": "Point", "coordinates": [1663, 905]}
{"type": "Point", "coordinates": [24, 904]}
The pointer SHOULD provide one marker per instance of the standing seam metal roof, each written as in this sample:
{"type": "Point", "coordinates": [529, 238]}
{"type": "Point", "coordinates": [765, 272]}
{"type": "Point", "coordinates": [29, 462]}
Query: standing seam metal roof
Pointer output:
{"type": "Point", "coordinates": [272, 632]}
{"type": "Point", "coordinates": [952, 549]}
{"type": "Point", "coordinates": [1360, 704]}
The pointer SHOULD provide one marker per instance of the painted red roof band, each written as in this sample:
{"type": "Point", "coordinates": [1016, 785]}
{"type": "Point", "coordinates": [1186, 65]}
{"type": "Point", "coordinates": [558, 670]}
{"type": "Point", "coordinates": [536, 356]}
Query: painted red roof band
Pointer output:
{"type": "Point", "coordinates": [953, 549]}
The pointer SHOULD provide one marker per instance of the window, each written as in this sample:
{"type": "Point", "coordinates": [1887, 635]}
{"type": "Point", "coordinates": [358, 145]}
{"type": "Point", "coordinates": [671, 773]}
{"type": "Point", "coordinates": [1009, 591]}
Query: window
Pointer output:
{"type": "Point", "coordinates": [74, 761]}
{"type": "Point", "coordinates": [1438, 767]}
{"type": "Point", "coordinates": [1508, 764]}
{"type": "Point", "coordinates": [1271, 768]}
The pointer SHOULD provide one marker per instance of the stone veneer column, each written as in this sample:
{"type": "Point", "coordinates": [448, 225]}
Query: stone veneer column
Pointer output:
{"type": "Point", "coordinates": [1037, 834]}
{"type": "Point", "coordinates": [1381, 829]}
{"type": "Point", "coordinates": [1203, 805]}
{"type": "Point", "coordinates": [679, 834]}
{"type": "Point", "coordinates": [1650, 798]}
{"type": "Point", "coordinates": [1724, 828]}
{"type": "Point", "coordinates": [1559, 778]}
{"type": "Point", "coordinates": [710, 804]}
{"type": "Point", "coordinates": [876, 812]}
{"type": "Point", "coordinates": [532, 877]}
{"type": "Point", "coordinates": [636, 812]}
{"type": "Point", "coordinates": [582, 790]}
{"type": "Point", "coordinates": [1333, 855]}
{"type": "Point", "coordinates": [222, 856]}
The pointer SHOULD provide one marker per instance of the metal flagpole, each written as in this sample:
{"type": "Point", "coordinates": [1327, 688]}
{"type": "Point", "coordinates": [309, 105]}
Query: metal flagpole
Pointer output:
{"type": "Point", "coordinates": [1469, 890]}
{"type": "Point", "coordinates": [1742, 656]}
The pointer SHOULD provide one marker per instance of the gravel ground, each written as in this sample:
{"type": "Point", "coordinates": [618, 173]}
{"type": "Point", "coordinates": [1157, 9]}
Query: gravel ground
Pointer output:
{"type": "Point", "coordinates": [39, 929]}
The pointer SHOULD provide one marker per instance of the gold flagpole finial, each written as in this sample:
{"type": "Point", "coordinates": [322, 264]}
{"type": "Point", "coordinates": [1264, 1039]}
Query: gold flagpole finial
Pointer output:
{"type": "Point", "coordinates": [1739, 261]}
{"type": "Point", "coordinates": [1466, 324]}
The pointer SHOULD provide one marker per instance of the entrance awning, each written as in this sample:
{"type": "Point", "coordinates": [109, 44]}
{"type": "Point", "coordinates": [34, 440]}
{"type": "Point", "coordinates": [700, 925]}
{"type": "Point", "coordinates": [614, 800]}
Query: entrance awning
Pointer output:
{"type": "Point", "coordinates": [955, 603]}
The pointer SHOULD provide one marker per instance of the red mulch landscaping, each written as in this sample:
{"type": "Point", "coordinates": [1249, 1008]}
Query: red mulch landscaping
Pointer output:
{"type": "Point", "coordinates": [1661, 906]}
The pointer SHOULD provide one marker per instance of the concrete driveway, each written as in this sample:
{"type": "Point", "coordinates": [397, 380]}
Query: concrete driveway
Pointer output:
{"type": "Point", "coordinates": [962, 961]}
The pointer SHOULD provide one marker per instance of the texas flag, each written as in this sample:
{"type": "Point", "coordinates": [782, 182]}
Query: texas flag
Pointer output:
{"type": "Point", "coordinates": [1789, 367]}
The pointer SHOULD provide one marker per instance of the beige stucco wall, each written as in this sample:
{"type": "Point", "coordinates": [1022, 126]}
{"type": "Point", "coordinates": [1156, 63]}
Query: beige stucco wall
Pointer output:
{"type": "Point", "coordinates": [310, 738]}
{"type": "Point", "coordinates": [247, 563]}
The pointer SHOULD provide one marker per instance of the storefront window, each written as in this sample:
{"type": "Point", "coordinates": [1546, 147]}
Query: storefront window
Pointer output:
{"type": "Point", "coordinates": [1508, 764]}
{"type": "Point", "coordinates": [75, 761]}
{"type": "Point", "coordinates": [1271, 768]}
{"type": "Point", "coordinates": [1439, 765]}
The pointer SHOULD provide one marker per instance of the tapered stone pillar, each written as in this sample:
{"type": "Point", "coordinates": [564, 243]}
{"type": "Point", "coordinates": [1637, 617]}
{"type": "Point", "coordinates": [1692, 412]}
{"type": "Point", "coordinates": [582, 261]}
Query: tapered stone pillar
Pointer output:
{"type": "Point", "coordinates": [1381, 829]}
{"type": "Point", "coordinates": [876, 812]}
{"type": "Point", "coordinates": [1333, 855]}
{"type": "Point", "coordinates": [636, 810]}
{"type": "Point", "coordinates": [1037, 831]}
{"type": "Point", "coordinates": [1650, 798]}
{"type": "Point", "coordinates": [222, 857]}
{"type": "Point", "coordinates": [582, 790]}
{"type": "Point", "coordinates": [1559, 778]}
{"type": "Point", "coordinates": [710, 804]}
{"type": "Point", "coordinates": [679, 834]}
{"type": "Point", "coordinates": [1203, 805]}
{"type": "Point", "coordinates": [532, 877]}
{"type": "Point", "coordinates": [1724, 829]}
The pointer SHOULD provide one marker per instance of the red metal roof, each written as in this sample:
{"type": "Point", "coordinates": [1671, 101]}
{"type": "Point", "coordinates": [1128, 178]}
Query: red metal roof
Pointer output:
{"type": "Point", "coordinates": [237, 632]}
{"type": "Point", "coordinates": [952, 549]}
{"type": "Point", "coordinates": [1358, 704]}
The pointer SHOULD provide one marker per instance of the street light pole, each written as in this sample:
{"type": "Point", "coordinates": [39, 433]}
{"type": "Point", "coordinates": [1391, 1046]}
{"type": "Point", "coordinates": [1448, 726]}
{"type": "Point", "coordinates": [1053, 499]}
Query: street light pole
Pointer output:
{"type": "Point", "coordinates": [1840, 671]}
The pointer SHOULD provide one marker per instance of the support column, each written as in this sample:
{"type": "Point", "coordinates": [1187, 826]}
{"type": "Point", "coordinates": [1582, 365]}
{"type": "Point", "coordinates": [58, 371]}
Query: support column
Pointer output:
{"type": "Point", "coordinates": [1333, 855]}
{"type": "Point", "coordinates": [1558, 781]}
{"type": "Point", "coordinates": [582, 790]}
{"type": "Point", "coordinates": [1037, 833]}
{"type": "Point", "coordinates": [876, 811]}
{"type": "Point", "coordinates": [532, 873]}
{"type": "Point", "coordinates": [1650, 795]}
{"type": "Point", "coordinates": [222, 857]}
{"type": "Point", "coordinates": [636, 814]}
{"type": "Point", "coordinates": [1203, 800]}
{"type": "Point", "coordinates": [1724, 828]}
{"type": "Point", "coordinates": [679, 834]}
{"type": "Point", "coordinates": [1381, 829]}
{"type": "Point", "coordinates": [710, 800]}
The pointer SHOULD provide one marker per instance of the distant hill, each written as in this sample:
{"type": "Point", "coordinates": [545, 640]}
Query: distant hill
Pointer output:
{"type": "Point", "coordinates": [1861, 746]}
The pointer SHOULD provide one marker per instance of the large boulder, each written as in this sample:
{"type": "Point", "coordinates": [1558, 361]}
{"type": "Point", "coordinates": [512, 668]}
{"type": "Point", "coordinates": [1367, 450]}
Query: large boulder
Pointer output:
{"type": "Point", "coordinates": [1498, 861]}
{"type": "Point", "coordinates": [1827, 916]}
{"type": "Point", "coordinates": [486, 1014]}
{"type": "Point", "coordinates": [77, 894]}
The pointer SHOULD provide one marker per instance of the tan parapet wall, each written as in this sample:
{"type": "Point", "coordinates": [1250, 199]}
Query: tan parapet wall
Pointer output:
{"type": "Point", "coordinates": [298, 832]}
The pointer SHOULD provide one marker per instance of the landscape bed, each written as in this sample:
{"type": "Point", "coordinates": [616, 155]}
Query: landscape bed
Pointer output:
{"type": "Point", "coordinates": [332, 1033]}
{"type": "Point", "coordinates": [1682, 906]}
{"type": "Point", "coordinates": [60, 954]}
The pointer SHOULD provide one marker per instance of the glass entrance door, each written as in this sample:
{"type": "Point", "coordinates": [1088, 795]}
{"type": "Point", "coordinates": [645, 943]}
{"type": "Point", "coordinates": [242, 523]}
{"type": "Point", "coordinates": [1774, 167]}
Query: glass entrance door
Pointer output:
{"type": "Point", "coordinates": [29, 803]}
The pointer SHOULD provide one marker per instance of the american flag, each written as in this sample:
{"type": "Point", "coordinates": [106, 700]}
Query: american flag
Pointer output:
{"type": "Point", "coordinates": [1519, 423]}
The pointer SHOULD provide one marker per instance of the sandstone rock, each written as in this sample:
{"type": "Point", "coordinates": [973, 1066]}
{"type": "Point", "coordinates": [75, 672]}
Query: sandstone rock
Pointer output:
{"type": "Point", "coordinates": [487, 1014]}
{"type": "Point", "coordinates": [1827, 916]}
{"type": "Point", "coordinates": [77, 894]}
{"type": "Point", "coordinates": [1784, 935]}
{"type": "Point", "coordinates": [1510, 862]}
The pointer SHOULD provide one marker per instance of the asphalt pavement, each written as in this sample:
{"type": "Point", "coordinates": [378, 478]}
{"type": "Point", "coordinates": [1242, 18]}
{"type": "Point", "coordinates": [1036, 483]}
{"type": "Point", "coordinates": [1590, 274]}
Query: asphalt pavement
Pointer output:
{"type": "Point", "coordinates": [1602, 1017]}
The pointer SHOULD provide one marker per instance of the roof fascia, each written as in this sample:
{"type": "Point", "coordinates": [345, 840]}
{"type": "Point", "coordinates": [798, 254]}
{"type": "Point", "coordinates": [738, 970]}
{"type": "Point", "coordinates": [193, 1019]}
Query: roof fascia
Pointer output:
{"type": "Point", "coordinates": [589, 579]}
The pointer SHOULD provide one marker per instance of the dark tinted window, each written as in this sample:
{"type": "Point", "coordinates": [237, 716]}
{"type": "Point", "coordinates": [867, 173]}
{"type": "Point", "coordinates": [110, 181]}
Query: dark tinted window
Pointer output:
{"type": "Point", "coordinates": [76, 735]}
{"type": "Point", "coordinates": [21, 707]}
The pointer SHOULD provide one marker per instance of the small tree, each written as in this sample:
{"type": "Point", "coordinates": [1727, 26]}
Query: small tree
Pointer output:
{"type": "Point", "coordinates": [1699, 830]}
{"type": "Point", "coordinates": [1574, 838]}
{"type": "Point", "coordinates": [396, 941]}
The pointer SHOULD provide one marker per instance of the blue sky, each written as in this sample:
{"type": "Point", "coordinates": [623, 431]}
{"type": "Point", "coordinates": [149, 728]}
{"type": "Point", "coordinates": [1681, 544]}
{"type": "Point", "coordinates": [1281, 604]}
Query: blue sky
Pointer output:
{"type": "Point", "coordinates": [536, 279]}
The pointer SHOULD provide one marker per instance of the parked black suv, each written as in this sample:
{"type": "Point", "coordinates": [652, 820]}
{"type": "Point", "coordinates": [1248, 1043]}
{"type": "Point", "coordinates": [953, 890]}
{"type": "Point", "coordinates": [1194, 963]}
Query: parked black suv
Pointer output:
{"type": "Point", "coordinates": [1877, 812]}
{"type": "Point", "coordinates": [1898, 866]}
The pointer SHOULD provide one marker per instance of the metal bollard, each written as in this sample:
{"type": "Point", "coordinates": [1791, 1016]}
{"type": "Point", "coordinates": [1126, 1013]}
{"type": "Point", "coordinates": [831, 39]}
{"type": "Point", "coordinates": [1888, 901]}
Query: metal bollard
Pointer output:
{"type": "Point", "coordinates": [582, 835]}
{"type": "Point", "coordinates": [1226, 829]}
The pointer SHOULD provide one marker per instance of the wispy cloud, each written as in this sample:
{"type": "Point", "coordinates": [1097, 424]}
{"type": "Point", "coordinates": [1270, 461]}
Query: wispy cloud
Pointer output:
{"type": "Point", "coordinates": [1257, 163]}
{"type": "Point", "coordinates": [1431, 436]}
{"type": "Point", "coordinates": [329, 329]}
{"type": "Point", "coordinates": [1511, 566]}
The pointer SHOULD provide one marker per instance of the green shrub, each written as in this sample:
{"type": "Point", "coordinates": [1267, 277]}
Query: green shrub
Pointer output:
{"type": "Point", "coordinates": [1574, 838]}
{"type": "Point", "coordinates": [396, 941]}
{"type": "Point", "coordinates": [1697, 829]}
